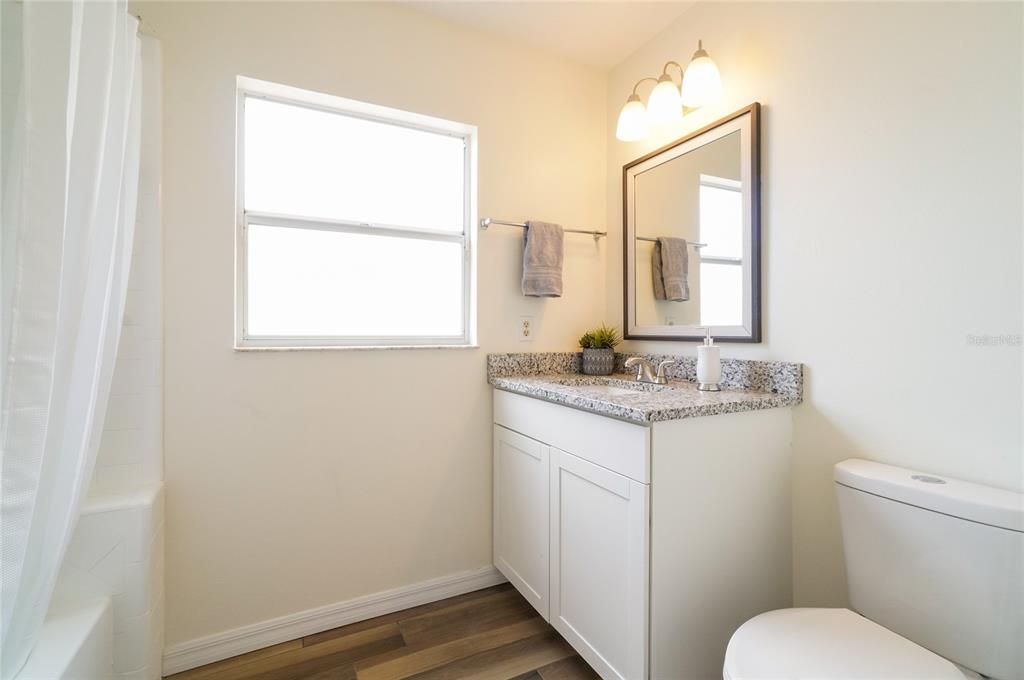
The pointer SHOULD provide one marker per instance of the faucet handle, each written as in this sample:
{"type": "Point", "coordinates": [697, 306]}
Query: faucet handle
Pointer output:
{"type": "Point", "coordinates": [663, 365]}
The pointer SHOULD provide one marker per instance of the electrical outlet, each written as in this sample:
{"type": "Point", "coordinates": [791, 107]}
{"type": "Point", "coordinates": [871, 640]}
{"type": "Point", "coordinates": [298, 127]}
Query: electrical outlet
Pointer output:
{"type": "Point", "coordinates": [526, 329]}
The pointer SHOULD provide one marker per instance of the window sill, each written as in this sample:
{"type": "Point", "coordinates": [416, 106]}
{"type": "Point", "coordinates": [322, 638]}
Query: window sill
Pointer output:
{"type": "Point", "coordinates": [348, 348]}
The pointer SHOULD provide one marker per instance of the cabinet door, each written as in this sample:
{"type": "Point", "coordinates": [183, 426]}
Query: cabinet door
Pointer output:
{"type": "Point", "coordinates": [599, 565]}
{"type": "Point", "coordinates": [521, 487]}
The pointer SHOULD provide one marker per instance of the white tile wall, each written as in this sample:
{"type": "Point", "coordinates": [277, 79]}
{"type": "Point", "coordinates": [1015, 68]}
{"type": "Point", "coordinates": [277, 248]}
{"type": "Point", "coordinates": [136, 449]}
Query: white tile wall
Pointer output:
{"type": "Point", "coordinates": [131, 446]}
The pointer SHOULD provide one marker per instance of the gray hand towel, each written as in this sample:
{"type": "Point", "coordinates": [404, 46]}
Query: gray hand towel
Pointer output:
{"type": "Point", "coordinates": [670, 267]}
{"type": "Point", "coordinates": [542, 260]}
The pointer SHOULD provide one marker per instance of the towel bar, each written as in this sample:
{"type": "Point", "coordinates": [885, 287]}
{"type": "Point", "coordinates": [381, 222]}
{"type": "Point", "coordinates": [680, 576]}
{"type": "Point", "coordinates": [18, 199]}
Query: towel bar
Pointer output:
{"type": "Point", "coordinates": [487, 221]}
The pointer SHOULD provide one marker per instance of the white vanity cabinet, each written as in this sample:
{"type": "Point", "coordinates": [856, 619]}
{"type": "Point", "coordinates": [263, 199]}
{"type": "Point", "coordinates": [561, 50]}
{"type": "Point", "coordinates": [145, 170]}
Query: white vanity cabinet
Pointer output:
{"type": "Point", "coordinates": [644, 546]}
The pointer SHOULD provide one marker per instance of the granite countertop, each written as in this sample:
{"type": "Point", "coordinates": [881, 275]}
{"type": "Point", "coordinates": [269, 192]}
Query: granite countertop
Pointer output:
{"type": "Point", "coordinates": [746, 386]}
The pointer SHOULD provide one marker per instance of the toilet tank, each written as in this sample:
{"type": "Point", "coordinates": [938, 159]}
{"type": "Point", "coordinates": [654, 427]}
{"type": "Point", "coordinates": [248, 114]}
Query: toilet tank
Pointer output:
{"type": "Point", "coordinates": [937, 560]}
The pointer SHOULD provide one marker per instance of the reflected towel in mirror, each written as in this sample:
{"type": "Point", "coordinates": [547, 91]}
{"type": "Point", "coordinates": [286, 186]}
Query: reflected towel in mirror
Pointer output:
{"type": "Point", "coordinates": [670, 267]}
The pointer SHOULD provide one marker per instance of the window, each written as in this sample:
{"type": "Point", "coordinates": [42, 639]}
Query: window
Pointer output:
{"type": "Point", "coordinates": [354, 223]}
{"type": "Point", "coordinates": [721, 260]}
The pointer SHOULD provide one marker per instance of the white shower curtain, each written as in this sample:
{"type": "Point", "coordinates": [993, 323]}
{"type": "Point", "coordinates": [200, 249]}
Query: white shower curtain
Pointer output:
{"type": "Point", "coordinates": [71, 155]}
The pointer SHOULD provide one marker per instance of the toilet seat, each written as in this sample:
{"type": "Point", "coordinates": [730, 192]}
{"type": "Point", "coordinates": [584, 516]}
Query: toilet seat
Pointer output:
{"type": "Point", "coordinates": [833, 644]}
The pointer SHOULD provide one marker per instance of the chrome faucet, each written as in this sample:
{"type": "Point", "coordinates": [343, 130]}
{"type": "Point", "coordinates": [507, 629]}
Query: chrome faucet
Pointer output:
{"type": "Point", "coordinates": [645, 372]}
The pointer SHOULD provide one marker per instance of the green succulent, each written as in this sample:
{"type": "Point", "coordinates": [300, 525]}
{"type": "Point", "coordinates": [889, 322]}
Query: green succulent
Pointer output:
{"type": "Point", "coordinates": [600, 338]}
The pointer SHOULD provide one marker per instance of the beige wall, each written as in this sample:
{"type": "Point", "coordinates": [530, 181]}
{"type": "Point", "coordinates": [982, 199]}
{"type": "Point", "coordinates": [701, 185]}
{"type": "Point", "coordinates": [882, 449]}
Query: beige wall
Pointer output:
{"type": "Point", "coordinates": [892, 230]}
{"type": "Point", "coordinates": [300, 479]}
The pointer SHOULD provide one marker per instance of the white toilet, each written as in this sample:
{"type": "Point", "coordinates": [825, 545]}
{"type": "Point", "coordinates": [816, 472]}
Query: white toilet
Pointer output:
{"type": "Point", "coordinates": [936, 580]}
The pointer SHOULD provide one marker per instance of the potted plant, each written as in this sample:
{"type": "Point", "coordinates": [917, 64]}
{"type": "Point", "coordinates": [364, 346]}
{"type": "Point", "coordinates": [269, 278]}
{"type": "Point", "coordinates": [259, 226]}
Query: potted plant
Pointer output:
{"type": "Point", "coordinates": [599, 350]}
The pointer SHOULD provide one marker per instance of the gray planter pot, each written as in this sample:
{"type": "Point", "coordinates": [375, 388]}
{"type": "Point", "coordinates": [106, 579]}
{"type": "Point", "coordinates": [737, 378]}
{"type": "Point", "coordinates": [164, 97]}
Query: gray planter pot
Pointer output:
{"type": "Point", "coordinates": [598, 361]}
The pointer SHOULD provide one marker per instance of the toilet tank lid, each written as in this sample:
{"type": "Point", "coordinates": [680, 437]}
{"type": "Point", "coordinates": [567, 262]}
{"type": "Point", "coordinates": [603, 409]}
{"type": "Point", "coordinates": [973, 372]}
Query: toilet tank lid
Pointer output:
{"type": "Point", "coordinates": [974, 502]}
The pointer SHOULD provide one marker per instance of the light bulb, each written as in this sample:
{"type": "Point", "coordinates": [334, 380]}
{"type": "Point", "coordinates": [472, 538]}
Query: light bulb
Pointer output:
{"type": "Point", "coordinates": [632, 125]}
{"type": "Point", "coordinates": [702, 84]}
{"type": "Point", "coordinates": [664, 105]}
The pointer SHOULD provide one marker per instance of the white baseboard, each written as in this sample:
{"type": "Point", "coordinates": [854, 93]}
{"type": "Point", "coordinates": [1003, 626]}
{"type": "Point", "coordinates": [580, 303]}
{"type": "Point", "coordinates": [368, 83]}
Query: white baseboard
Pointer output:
{"type": "Point", "coordinates": [201, 651]}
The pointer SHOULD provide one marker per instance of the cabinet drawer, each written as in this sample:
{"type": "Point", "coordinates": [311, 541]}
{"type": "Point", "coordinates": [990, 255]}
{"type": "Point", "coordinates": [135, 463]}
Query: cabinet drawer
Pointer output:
{"type": "Point", "coordinates": [622, 447]}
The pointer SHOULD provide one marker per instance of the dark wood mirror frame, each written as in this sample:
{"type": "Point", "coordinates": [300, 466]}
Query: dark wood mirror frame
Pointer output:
{"type": "Point", "coordinates": [754, 336]}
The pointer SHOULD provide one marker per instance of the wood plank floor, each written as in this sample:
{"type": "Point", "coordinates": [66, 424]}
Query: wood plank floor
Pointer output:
{"type": "Point", "coordinates": [490, 634]}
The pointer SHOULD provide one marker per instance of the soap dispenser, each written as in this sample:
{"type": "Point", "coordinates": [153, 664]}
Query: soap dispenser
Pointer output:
{"type": "Point", "coordinates": [709, 364]}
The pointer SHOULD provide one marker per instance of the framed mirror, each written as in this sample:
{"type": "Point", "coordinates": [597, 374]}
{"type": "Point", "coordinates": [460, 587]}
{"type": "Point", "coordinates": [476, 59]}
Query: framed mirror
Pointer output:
{"type": "Point", "coordinates": [692, 235]}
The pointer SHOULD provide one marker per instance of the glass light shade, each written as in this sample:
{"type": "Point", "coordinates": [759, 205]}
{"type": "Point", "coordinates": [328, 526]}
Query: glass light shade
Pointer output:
{"type": "Point", "coordinates": [702, 84]}
{"type": "Point", "coordinates": [664, 105]}
{"type": "Point", "coordinates": [632, 124]}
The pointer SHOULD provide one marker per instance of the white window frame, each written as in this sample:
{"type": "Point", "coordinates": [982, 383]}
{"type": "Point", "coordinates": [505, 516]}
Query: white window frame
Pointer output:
{"type": "Point", "coordinates": [252, 88]}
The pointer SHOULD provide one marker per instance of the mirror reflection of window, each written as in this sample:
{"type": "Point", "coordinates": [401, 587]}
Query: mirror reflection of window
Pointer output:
{"type": "Point", "coordinates": [721, 259]}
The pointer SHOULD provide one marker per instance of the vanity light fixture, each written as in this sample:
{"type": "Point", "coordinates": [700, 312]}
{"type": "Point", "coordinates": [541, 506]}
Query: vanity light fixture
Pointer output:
{"type": "Point", "coordinates": [632, 126]}
{"type": "Point", "coordinates": [665, 105]}
{"type": "Point", "coordinates": [701, 85]}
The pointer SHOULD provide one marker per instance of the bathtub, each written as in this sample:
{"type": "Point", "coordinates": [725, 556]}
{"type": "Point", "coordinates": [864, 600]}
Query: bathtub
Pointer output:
{"type": "Point", "coordinates": [106, 619]}
{"type": "Point", "coordinates": [76, 643]}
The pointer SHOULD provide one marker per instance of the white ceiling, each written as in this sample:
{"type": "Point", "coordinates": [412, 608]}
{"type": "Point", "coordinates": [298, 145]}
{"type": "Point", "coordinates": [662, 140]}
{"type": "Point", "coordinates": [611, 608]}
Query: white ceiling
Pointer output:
{"type": "Point", "coordinates": [596, 33]}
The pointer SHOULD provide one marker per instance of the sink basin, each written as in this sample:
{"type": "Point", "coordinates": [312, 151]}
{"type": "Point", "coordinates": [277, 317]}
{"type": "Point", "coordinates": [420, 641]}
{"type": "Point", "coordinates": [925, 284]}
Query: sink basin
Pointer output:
{"type": "Point", "coordinates": [601, 385]}
{"type": "Point", "coordinates": [609, 390]}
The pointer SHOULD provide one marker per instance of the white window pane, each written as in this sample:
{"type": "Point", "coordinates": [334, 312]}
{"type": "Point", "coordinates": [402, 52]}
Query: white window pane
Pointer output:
{"type": "Point", "coordinates": [721, 294]}
{"type": "Point", "coordinates": [304, 282]}
{"type": "Point", "coordinates": [303, 161]}
{"type": "Point", "coordinates": [721, 222]}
